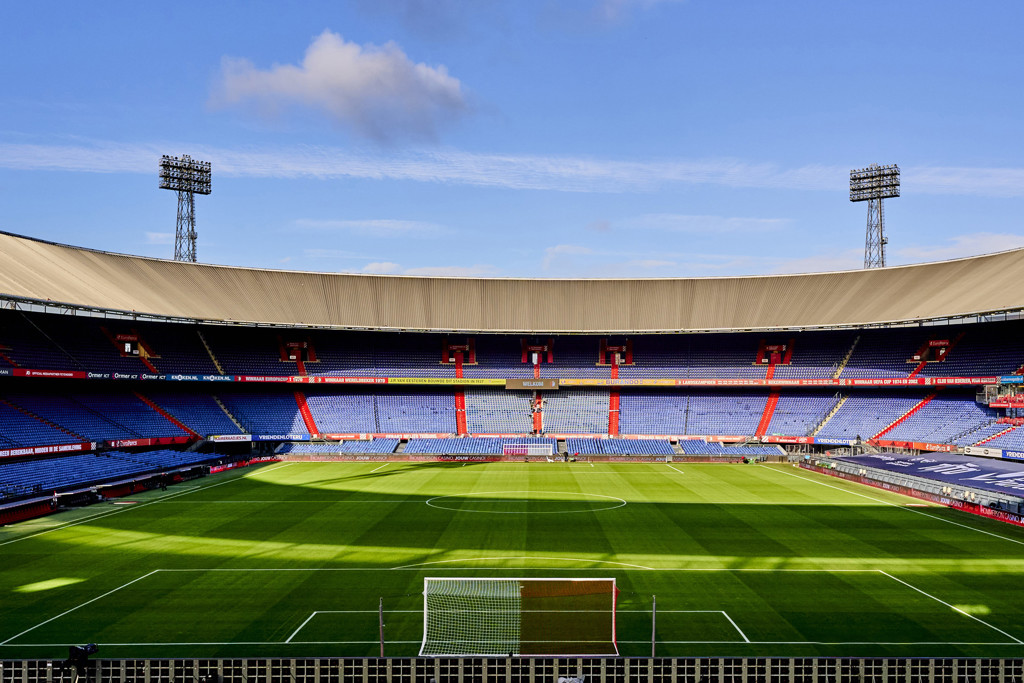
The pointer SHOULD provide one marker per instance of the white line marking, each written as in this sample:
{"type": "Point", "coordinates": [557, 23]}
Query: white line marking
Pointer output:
{"type": "Point", "coordinates": [137, 507]}
{"type": "Point", "coordinates": [301, 626]}
{"type": "Point", "coordinates": [742, 634]}
{"type": "Point", "coordinates": [631, 642]}
{"type": "Point", "coordinates": [895, 505]}
{"type": "Point", "coordinates": [379, 468]}
{"type": "Point", "coordinates": [952, 607]}
{"type": "Point", "coordinates": [87, 602]}
{"type": "Point", "coordinates": [676, 469]}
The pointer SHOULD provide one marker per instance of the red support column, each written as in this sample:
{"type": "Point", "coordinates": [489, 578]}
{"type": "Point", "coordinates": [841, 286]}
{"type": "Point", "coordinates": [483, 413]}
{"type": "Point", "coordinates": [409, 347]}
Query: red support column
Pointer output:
{"type": "Point", "coordinates": [615, 366]}
{"type": "Point", "coordinates": [538, 413]}
{"type": "Point", "coordinates": [458, 364]}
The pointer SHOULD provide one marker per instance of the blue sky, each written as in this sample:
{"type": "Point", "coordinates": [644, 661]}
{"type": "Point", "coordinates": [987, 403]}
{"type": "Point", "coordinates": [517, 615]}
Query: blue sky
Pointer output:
{"type": "Point", "coordinates": [592, 138]}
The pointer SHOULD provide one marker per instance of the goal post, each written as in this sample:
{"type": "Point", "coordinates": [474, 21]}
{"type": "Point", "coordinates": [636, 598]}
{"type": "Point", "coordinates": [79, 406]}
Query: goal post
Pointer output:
{"type": "Point", "coordinates": [495, 617]}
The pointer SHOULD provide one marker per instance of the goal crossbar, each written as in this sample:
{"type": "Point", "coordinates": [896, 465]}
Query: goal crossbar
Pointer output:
{"type": "Point", "coordinates": [495, 617]}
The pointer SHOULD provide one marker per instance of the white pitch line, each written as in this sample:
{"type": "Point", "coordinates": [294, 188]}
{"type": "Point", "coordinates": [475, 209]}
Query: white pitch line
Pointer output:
{"type": "Point", "coordinates": [136, 507]}
{"type": "Point", "coordinates": [87, 602]}
{"type": "Point", "coordinates": [897, 505]}
{"type": "Point", "coordinates": [418, 642]}
{"type": "Point", "coordinates": [301, 626]}
{"type": "Point", "coordinates": [676, 469]}
{"type": "Point", "coordinates": [952, 607]}
{"type": "Point", "coordinates": [379, 468]}
{"type": "Point", "coordinates": [738, 630]}
{"type": "Point", "coordinates": [489, 559]}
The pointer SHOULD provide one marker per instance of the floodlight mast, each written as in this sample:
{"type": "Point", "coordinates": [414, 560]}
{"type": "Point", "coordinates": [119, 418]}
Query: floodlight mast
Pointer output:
{"type": "Point", "coordinates": [188, 177]}
{"type": "Point", "coordinates": [872, 185]}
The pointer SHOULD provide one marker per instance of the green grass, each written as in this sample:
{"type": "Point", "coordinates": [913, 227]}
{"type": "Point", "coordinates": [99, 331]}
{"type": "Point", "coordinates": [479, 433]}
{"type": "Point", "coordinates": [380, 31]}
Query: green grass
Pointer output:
{"type": "Point", "coordinates": [237, 564]}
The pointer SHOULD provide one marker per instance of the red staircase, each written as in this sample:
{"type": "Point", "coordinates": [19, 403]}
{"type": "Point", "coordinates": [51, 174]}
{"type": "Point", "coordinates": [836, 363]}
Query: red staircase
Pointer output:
{"type": "Point", "coordinates": [538, 413]}
{"type": "Point", "coordinates": [917, 406]}
{"type": "Point", "coordinates": [613, 411]}
{"type": "Point", "coordinates": [997, 435]}
{"type": "Point", "coordinates": [769, 410]}
{"type": "Point", "coordinates": [307, 415]}
{"type": "Point", "coordinates": [460, 412]}
{"type": "Point", "coordinates": [170, 418]}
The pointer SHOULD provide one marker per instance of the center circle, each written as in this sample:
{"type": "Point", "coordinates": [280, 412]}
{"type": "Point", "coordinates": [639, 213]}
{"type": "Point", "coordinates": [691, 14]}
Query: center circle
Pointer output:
{"type": "Point", "coordinates": [526, 502]}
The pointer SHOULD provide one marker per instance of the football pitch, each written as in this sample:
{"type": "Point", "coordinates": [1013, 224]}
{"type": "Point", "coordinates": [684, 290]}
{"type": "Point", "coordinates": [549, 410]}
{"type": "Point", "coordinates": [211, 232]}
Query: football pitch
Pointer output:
{"type": "Point", "coordinates": [294, 559]}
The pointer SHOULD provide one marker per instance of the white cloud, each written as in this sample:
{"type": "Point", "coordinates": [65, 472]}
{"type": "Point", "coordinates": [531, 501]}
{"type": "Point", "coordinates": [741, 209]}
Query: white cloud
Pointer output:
{"type": "Point", "coordinates": [376, 91]}
{"type": "Point", "coordinates": [551, 254]}
{"type": "Point", "coordinates": [959, 246]}
{"type": "Point", "coordinates": [521, 172]}
{"type": "Point", "coordinates": [159, 238]}
{"type": "Point", "coordinates": [381, 227]}
{"type": "Point", "coordinates": [381, 267]}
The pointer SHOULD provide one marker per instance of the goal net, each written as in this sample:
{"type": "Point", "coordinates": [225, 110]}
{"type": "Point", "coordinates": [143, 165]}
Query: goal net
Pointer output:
{"type": "Point", "coordinates": [527, 449]}
{"type": "Point", "coordinates": [500, 617]}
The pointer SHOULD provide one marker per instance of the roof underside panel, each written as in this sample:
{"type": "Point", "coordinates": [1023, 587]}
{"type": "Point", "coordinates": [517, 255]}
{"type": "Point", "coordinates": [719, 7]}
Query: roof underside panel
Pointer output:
{"type": "Point", "coordinates": [46, 272]}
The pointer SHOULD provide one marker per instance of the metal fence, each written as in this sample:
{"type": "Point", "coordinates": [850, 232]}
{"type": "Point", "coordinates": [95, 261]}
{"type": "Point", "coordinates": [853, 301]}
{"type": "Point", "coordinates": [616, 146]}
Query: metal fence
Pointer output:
{"type": "Point", "coordinates": [518, 670]}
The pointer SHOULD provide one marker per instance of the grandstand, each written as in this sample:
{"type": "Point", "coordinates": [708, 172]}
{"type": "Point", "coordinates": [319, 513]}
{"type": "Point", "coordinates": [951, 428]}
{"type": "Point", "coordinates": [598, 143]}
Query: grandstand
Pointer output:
{"type": "Point", "coordinates": [109, 388]}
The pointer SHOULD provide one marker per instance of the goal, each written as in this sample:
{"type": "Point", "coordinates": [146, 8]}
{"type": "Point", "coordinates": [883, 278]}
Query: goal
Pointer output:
{"type": "Point", "coordinates": [499, 617]}
{"type": "Point", "coordinates": [528, 449]}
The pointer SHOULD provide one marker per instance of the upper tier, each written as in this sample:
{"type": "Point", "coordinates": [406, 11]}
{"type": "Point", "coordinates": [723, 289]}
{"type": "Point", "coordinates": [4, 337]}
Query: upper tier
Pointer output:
{"type": "Point", "coordinates": [34, 270]}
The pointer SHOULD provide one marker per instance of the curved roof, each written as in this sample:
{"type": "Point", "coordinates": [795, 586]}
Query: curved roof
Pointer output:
{"type": "Point", "coordinates": [38, 271]}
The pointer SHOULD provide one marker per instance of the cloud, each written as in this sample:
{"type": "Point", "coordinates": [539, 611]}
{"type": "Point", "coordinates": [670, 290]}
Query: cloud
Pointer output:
{"type": "Point", "coordinates": [704, 224]}
{"type": "Point", "coordinates": [159, 238]}
{"type": "Point", "coordinates": [375, 91]}
{"type": "Point", "coordinates": [381, 267]}
{"type": "Point", "coordinates": [971, 244]}
{"type": "Point", "coordinates": [847, 259]}
{"type": "Point", "coordinates": [552, 253]}
{"type": "Point", "coordinates": [381, 227]}
{"type": "Point", "coordinates": [519, 172]}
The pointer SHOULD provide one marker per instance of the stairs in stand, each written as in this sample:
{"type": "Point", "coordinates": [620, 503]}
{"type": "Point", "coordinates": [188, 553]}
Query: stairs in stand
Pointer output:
{"type": "Point", "coordinates": [917, 406]}
{"type": "Point", "coordinates": [461, 426]}
{"type": "Point", "coordinates": [769, 410]}
{"type": "Point", "coordinates": [216, 363]}
{"type": "Point", "coordinates": [307, 415]}
{"type": "Point", "coordinates": [170, 418]}
{"type": "Point", "coordinates": [613, 411]}
{"type": "Point", "coordinates": [997, 435]}
{"type": "Point", "coordinates": [829, 415]}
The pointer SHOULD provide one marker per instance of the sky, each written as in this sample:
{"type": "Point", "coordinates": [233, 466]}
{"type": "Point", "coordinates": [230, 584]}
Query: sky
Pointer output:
{"type": "Point", "coordinates": [542, 138]}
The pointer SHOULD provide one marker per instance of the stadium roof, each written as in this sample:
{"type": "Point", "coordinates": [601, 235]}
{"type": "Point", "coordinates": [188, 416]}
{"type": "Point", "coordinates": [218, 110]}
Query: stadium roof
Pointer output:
{"type": "Point", "coordinates": [41, 272]}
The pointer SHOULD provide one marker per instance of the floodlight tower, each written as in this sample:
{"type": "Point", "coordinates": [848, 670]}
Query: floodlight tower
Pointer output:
{"type": "Point", "coordinates": [872, 185]}
{"type": "Point", "coordinates": [188, 178]}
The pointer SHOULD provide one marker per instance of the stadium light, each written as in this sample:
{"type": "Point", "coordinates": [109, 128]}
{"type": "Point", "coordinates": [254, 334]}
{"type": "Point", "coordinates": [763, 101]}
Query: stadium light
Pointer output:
{"type": "Point", "coordinates": [188, 177]}
{"type": "Point", "coordinates": [872, 185]}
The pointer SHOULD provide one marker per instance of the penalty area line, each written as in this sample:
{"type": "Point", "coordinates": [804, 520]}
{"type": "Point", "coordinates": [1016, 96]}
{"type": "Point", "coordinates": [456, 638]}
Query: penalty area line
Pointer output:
{"type": "Point", "coordinates": [87, 602]}
{"type": "Point", "coordinates": [952, 607]}
{"type": "Point", "coordinates": [676, 469]}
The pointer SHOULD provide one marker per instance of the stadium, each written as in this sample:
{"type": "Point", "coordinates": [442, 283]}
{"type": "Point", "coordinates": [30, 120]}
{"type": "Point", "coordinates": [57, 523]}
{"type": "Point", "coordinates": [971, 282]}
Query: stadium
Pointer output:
{"type": "Point", "coordinates": [223, 473]}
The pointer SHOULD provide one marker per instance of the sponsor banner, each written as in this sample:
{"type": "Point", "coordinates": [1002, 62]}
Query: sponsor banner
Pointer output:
{"type": "Point", "coordinates": [44, 450]}
{"type": "Point", "coordinates": [214, 469]}
{"type": "Point", "coordinates": [1011, 379]}
{"type": "Point", "coordinates": [972, 508]}
{"type": "Point", "coordinates": [281, 437]}
{"type": "Point", "coordinates": [156, 441]}
{"type": "Point", "coordinates": [226, 438]}
{"type": "Point", "coordinates": [69, 374]}
{"type": "Point", "coordinates": [787, 439]}
{"type": "Point", "coordinates": [938, 342]}
{"type": "Point", "coordinates": [469, 381]}
{"type": "Point", "coordinates": [984, 452]}
{"type": "Point", "coordinates": [5, 372]}
{"type": "Point", "coordinates": [340, 380]}
{"type": "Point", "coordinates": [457, 458]}
{"type": "Point", "coordinates": [916, 445]}
{"type": "Point", "coordinates": [261, 378]}
{"type": "Point", "coordinates": [1013, 455]}
{"type": "Point", "coordinates": [548, 384]}
{"type": "Point", "coordinates": [833, 442]}
{"type": "Point", "coordinates": [411, 436]}
{"type": "Point", "coordinates": [346, 437]}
